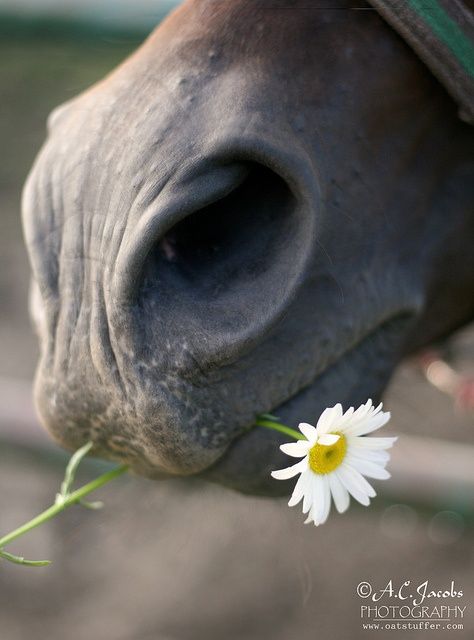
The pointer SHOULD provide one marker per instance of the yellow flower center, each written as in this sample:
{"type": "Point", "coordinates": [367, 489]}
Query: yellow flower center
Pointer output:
{"type": "Point", "coordinates": [326, 458]}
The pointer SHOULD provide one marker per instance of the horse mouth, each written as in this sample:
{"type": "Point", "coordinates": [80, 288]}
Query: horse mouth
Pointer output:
{"type": "Point", "coordinates": [359, 372]}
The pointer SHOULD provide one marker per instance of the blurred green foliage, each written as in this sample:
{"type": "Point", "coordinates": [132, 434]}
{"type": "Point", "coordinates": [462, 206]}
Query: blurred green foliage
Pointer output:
{"type": "Point", "coordinates": [40, 69]}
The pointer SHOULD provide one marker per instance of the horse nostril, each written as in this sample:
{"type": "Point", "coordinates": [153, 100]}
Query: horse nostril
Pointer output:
{"type": "Point", "coordinates": [217, 259]}
{"type": "Point", "coordinates": [229, 243]}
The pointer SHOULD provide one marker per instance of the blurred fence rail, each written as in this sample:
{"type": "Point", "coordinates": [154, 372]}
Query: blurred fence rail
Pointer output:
{"type": "Point", "coordinates": [132, 14]}
{"type": "Point", "coordinates": [115, 20]}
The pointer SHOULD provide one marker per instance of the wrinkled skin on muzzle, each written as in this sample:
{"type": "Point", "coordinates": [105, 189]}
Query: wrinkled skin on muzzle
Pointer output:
{"type": "Point", "coordinates": [261, 210]}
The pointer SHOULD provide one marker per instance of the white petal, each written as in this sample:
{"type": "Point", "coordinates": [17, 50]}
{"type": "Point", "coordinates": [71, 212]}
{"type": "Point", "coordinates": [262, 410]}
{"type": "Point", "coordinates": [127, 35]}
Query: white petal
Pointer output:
{"type": "Point", "coordinates": [369, 469]}
{"type": "Point", "coordinates": [325, 507]}
{"type": "Point", "coordinates": [318, 497]}
{"type": "Point", "coordinates": [324, 419]}
{"type": "Point", "coordinates": [296, 449]}
{"type": "Point", "coordinates": [355, 417]}
{"type": "Point", "coordinates": [371, 442]}
{"type": "Point", "coordinates": [310, 517]}
{"type": "Point", "coordinates": [328, 438]}
{"type": "Point", "coordinates": [379, 456]}
{"type": "Point", "coordinates": [328, 418]}
{"type": "Point", "coordinates": [308, 498]}
{"type": "Point", "coordinates": [312, 511]}
{"type": "Point", "coordinates": [361, 497]}
{"type": "Point", "coordinates": [358, 480]}
{"type": "Point", "coordinates": [364, 409]}
{"type": "Point", "coordinates": [366, 417]}
{"type": "Point", "coordinates": [339, 493]}
{"type": "Point", "coordinates": [345, 418]}
{"type": "Point", "coordinates": [308, 431]}
{"type": "Point", "coordinates": [368, 424]}
{"type": "Point", "coordinates": [290, 472]}
{"type": "Point", "coordinates": [301, 487]}
{"type": "Point", "coordinates": [359, 488]}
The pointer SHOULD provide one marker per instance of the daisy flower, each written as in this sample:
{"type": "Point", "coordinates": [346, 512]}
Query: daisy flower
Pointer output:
{"type": "Point", "coordinates": [335, 458]}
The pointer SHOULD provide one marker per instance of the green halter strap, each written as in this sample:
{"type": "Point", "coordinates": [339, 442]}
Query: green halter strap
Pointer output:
{"type": "Point", "coordinates": [441, 32]}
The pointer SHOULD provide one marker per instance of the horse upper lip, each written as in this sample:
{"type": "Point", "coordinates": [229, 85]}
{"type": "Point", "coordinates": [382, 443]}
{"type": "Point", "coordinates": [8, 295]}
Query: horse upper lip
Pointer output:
{"type": "Point", "coordinates": [386, 325]}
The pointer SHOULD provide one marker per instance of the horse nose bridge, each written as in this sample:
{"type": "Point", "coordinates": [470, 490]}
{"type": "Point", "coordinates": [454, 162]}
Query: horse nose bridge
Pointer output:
{"type": "Point", "coordinates": [220, 254]}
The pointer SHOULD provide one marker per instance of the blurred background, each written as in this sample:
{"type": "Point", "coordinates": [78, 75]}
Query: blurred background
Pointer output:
{"type": "Point", "coordinates": [183, 560]}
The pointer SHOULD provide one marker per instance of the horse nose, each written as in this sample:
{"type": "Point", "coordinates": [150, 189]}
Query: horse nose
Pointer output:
{"type": "Point", "coordinates": [219, 254]}
{"type": "Point", "coordinates": [192, 280]}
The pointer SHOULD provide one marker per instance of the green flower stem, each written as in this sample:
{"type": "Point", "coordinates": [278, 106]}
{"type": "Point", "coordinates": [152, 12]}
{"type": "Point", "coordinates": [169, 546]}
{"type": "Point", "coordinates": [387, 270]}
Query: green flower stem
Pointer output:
{"type": "Point", "coordinates": [53, 510]}
{"type": "Point", "coordinates": [264, 421]}
{"type": "Point", "coordinates": [65, 498]}
{"type": "Point", "coordinates": [23, 561]}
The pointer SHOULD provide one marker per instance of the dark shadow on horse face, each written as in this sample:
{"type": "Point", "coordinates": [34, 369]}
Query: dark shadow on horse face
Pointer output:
{"type": "Point", "coordinates": [249, 215]}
